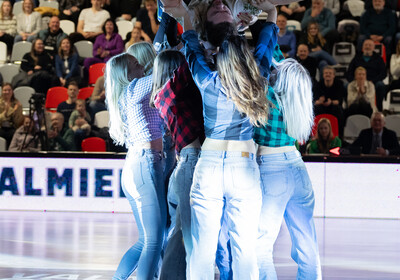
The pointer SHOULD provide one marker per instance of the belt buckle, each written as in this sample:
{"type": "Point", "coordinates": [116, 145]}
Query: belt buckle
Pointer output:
{"type": "Point", "coordinates": [246, 154]}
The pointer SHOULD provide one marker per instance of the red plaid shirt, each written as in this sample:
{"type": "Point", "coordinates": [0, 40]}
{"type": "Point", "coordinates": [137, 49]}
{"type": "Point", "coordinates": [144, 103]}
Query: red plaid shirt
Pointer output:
{"type": "Point", "coordinates": [180, 105]}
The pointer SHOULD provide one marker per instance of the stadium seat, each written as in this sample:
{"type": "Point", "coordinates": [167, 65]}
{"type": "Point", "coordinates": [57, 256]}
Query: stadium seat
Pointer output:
{"type": "Point", "coordinates": [343, 52]}
{"type": "Point", "coordinates": [124, 27]}
{"type": "Point", "coordinates": [67, 26]}
{"type": "Point", "coordinates": [3, 144]}
{"type": "Point", "coordinates": [94, 144]}
{"type": "Point", "coordinates": [331, 118]}
{"type": "Point", "coordinates": [17, 8]}
{"type": "Point", "coordinates": [3, 53]}
{"type": "Point", "coordinates": [96, 71]}
{"type": "Point", "coordinates": [354, 125]}
{"type": "Point", "coordinates": [85, 93]}
{"type": "Point", "coordinates": [23, 94]}
{"type": "Point", "coordinates": [381, 50]}
{"type": "Point", "coordinates": [393, 123]}
{"type": "Point", "coordinates": [392, 102]}
{"type": "Point", "coordinates": [293, 25]}
{"type": "Point", "coordinates": [8, 71]}
{"type": "Point", "coordinates": [50, 4]}
{"type": "Point", "coordinates": [102, 119]}
{"type": "Point", "coordinates": [55, 96]}
{"type": "Point", "coordinates": [19, 50]}
{"type": "Point", "coordinates": [84, 48]}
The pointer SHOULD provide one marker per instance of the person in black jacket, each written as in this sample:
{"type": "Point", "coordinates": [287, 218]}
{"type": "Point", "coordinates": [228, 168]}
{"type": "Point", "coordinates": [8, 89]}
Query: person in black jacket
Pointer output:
{"type": "Point", "coordinates": [377, 139]}
{"type": "Point", "coordinates": [376, 69]}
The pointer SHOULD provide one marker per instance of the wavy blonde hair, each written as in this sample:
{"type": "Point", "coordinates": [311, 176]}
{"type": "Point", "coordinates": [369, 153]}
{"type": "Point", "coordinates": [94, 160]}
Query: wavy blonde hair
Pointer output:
{"type": "Point", "coordinates": [145, 54]}
{"type": "Point", "coordinates": [293, 92]}
{"type": "Point", "coordinates": [241, 78]}
{"type": "Point", "coordinates": [313, 39]}
{"type": "Point", "coordinates": [116, 81]}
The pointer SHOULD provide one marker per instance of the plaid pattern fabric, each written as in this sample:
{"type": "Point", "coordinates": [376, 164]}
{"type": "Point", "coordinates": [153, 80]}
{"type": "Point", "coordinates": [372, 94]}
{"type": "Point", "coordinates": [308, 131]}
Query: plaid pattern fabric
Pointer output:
{"type": "Point", "coordinates": [181, 108]}
{"type": "Point", "coordinates": [141, 122]}
{"type": "Point", "coordinates": [222, 120]}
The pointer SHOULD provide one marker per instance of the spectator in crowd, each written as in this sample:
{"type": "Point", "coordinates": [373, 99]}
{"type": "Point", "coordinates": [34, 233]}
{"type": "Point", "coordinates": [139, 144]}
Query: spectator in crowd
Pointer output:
{"type": "Point", "coordinates": [328, 96]}
{"type": "Point", "coordinates": [378, 24]}
{"type": "Point", "coordinates": [318, 46]}
{"type": "Point", "coordinates": [79, 122]}
{"type": "Point", "coordinates": [61, 138]}
{"type": "Point", "coordinates": [24, 138]}
{"type": "Point", "coordinates": [90, 22]}
{"type": "Point", "coordinates": [377, 139]}
{"type": "Point", "coordinates": [52, 36]}
{"type": "Point", "coordinates": [361, 94]}
{"type": "Point", "coordinates": [37, 66]}
{"type": "Point", "coordinates": [69, 9]}
{"type": "Point", "coordinates": [324, 140]}
{"type": "Point", "coordinates": [10, 113]}
{"type": "Point", "coordinates": [97, 100]}
{"type": "Point", "coordinates": [106, 45]}
{"type": "Point", "coordinates": [395, 68]}
{"type": "Point", "coordinates": [295, 10]}
{"type": "Point", "coordinates": [29, 23]}
{"type": "Point", "coordinates": [8, 25]}
{"type": "Point", "coordinates": [286, 39]}
{"type": "Point", "coordinates": [333, 5]}
{"type": "Point", "coordinates": [137, 36]}
{"type": "Point", "coordinates": [67, 63]}
{"type": "Point", "coordinates": [147, 20]}
{"type": "Point", "coordinates": [307, 61]}
{"type": "Point", "coordinates": [67, 107]}
{"type": "Point", "coordinates": [375, 67]}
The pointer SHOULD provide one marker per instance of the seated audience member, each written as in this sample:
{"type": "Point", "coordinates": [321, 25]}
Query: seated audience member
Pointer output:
{"type": "Point", "coordinates": [79, 122]}
{"type": "Point", "coordinates": [137, 36]}
{"type": "Point", "coordinates": [90, 22]}
{"type": "Point", "coordinates": [285, 37]}
{"type": "Point", "coordinates": [38, 72]}
{"type": "Point", "coordinates": [67, 63]}
{"type": "Point", "coordinates": [147, 20]}
{"type": "Point", "coordinates": [67, 107]}
{"type": "Point", "coordinates": [8, 25]}
{"type": "Point", "coordinates": [97, 100]}
{"type": "Point", "coordinates": [375, 67]}
{"type": "Point", "coordinates": [318, 46]}
{"type": "Point", "coordinates": [61, 138]}
{"type": "Point", "coordinates": [29, 23]}
{"type": "Point", "coordinates": [52, 36]}
{"type": "Point", "coordinates": [24, 138]}
{"type": "Point", "coordinates": [377, 139]}
{"type": "Point", "coordinates": [106, 45]}
{"type": "Point", "coordinates": [324, 140]}
{"type": "Point", "coordinates": [395, 69]}
{"type": "Point", "coordinates": [307, 61]}
{"type": "Point", "coordinates": [296, 10]}
{"type": "Point", "coordinates": [328, 96]}
{"type": "Point", "coordinates": [10, 113]}
{"type": "Point", "coordinates": [378, 24]}
{"type": "Point", "coordinates": [361, 95]}
{"type": "Point", "coordinates": [69, 9]}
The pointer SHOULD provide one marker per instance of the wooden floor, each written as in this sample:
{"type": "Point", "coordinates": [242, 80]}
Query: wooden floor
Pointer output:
{"type": "Point", "coordinates": [54, 245]}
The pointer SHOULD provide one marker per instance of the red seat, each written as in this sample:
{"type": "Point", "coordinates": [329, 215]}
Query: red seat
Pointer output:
{"type": "Point", "coordinates": [55, 96]}
{"type": "Point", "coordinates": [331, 118]}
{"type": "Point", "coordinates": [94, 144]}
{"type": "Point", "coordinates": [85, 93]}
{"type": "Point", "coordinates": [381, 50]}
{"type": "Point", "coordinates": [96, 71]}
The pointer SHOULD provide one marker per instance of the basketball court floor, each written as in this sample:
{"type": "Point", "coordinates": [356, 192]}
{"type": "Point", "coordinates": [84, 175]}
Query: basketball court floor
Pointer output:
{"type": "Point", "coordinates": [89, 246]}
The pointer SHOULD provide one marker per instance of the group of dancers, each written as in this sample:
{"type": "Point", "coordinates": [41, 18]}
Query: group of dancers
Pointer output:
{"type": "Point", "coordinates": [233, 116]}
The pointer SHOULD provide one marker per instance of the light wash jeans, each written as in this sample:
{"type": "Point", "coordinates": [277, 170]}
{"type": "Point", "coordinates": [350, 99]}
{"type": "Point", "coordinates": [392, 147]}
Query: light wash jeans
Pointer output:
{"type": "Point", "coordinates": [287, 193]}
{"type": "Point", "coordinates": [174, 264]}
{"type": "Point", "coordinates": [142, 183]}
{"type": "Point", "coordinates": [232, 178]}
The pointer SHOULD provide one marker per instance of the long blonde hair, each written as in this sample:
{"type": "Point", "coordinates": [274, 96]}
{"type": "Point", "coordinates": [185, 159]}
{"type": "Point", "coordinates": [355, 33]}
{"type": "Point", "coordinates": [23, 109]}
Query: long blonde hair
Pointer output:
{"type": "Point", "coordinates": [293, 92]}
{"type": "Point", "coordinates": [241, 78]}
{"type": "Point", "coordinates": [324, 144]}
{"type": "Point", "coordinates": [116, 81]}
{"type": "Point", "coordinates": [319, 37]}
{"type": "Point", "coordinates": [145, 54]}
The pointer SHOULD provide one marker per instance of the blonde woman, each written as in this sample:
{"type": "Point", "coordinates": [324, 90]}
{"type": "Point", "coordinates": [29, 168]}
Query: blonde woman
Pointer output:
{"type": "Point", "coordinates": [8, 25]}
{"type": "Point", "coordinates": [137, 126]}
{"type": "Point", "coordinates": [325, 139]}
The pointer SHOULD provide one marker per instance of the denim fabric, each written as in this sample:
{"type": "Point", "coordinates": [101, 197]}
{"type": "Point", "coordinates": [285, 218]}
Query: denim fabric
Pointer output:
{"type": "Point", "coordinates": [179, 184]}
{"type": "Point", "coordinates": [231, 178]}
{"type": "Point", "coordinates": [287, 193]}
{"type": "Point", "coordinates": [143, 186]}
{"type": "Point", "coordinates": [223, 258]}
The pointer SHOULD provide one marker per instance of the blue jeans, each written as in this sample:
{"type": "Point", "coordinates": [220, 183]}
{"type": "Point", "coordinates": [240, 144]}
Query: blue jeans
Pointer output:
{"type": "Point", "coordinates": [142, 183]}
{"type": "Point", "coordinates": [287, 193]}
{"type": "Point", "coordinates": [180, 183]}
{"type": "Point", "coordinates": [233, 179]}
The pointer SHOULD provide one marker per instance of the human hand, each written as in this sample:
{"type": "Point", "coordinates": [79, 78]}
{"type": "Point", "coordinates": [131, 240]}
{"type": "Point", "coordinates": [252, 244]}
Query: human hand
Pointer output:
{"type": "Point", "coordinates": [328, 102]}
{"type": "Point", "coordinates": [74, 9]}
{"type": "Point", "coordinates": [245, 19]}
{"type": "Point", "coordinates": [37, 67]}
{"type": "Point", "coordinates": [316, 11]}
{"type": "Point", "coordinates": [264, 5]}
{"type": "Point", "coordinates": [67, 12]}
{"type": "Point", "coordinates": [176, 9]}
{"type": "Point", "coordinates": [381, 151]}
